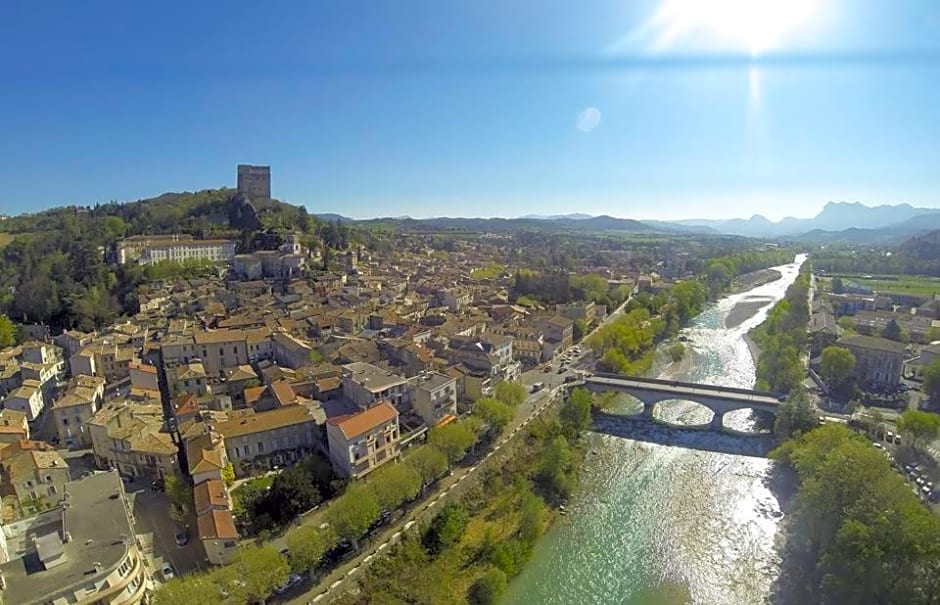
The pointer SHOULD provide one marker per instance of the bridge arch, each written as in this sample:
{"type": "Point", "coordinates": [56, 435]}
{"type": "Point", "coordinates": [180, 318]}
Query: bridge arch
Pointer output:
{"type": "Point", "coordinates": [682, 413]}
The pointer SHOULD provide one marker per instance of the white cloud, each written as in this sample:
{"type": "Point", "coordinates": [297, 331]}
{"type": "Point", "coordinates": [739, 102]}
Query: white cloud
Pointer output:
{"type": "Point", "coordinates": [588, 119]}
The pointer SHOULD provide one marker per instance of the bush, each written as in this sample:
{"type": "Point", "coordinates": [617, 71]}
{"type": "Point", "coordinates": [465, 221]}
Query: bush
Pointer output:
{"type": "Point", "coordinates": [488, 588]}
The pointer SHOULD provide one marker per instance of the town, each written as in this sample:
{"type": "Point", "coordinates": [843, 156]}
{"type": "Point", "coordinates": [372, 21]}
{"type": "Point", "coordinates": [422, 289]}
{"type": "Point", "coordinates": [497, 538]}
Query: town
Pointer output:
{"type": "Point", "coordinates": [275, 399]}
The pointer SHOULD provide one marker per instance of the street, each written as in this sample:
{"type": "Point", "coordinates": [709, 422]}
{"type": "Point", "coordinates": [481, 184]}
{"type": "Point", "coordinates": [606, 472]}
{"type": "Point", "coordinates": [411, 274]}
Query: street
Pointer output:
{"type": "Point", "coordinates": [157, 532]}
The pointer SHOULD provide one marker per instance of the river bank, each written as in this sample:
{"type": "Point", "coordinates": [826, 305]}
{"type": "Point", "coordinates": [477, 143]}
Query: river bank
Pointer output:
{"type": "Point", "coordinates": [754, 279]}
{"type": "Point", "coordinates": [656, 521]}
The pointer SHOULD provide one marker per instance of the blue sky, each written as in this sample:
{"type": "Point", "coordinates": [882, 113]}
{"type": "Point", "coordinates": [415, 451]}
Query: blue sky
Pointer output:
{"type": "Point", "coordinates": [472, 108]}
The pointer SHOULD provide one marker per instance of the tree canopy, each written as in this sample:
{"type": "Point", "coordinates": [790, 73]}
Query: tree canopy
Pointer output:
{"type": "Point", "coordinates": [932, 380]}
{"type": "Point", "coordinates": [919, 426]}
{"type": "Point", "coordinates": [836, 366]}
{"type": "Point", "coordinates": [493, 412]}
{"type": "Point", "coordinates": [353, 513]}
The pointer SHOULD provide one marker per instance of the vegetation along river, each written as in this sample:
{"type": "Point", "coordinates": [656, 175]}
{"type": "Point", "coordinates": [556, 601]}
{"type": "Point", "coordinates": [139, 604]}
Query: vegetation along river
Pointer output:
{"type": "Point", "coordinates": [653, 524]}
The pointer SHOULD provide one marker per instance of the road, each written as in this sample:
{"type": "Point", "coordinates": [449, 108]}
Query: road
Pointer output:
{"type": "Point", "coordinates": [552, 375]}
{"type": "Point", "coordinates": [157, 532]}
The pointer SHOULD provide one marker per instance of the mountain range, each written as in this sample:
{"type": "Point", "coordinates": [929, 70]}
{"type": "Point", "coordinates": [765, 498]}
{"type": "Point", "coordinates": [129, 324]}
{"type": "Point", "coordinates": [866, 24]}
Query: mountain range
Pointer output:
{"type": "Point", "coordinates": [837, 222]}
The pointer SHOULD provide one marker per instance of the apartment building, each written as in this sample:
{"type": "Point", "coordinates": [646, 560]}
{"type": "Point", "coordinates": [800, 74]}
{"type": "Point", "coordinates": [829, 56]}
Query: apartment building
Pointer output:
{"type": "Point", "coordinates": [128, 437]}
{"type": "Point", "coordinates": [84, 552]}
{"type": "Point", "coordinates": [290, 352]}
{"type": "Point", "coordinates": [433, 397]}
{"type": "Point", "coordinates": [217, 350]}
{"type": "Point", "coordinates": [187, 378]}
{"type": "Point", "coordinates": [270, 438]}
{"type": "Point", "coordinates": [361, 442]}
{"type": "Point", "coordinates": [878, 361]}
{"type": "Point", "coordinates": [75, 408]}
{"type": "Point", "coordinates": [36, 475]}
{"type": "Point", "coordinates": [27, 398]}
{"type": "Point", "coordinates": [366, 385]}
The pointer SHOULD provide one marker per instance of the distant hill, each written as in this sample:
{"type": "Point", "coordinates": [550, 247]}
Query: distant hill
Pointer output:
{"type": "Point", "coordinates": [555, 217]}
{"type": "Point", "coordinates": [924, 247]}
{"type": "Point", "coordinates": [834, 217]}
{"type": "Point", "coordinates": [498, 225]}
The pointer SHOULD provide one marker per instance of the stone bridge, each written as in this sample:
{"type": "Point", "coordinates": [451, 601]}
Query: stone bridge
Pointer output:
{"type": "Point", "coordinates": [650, 391]}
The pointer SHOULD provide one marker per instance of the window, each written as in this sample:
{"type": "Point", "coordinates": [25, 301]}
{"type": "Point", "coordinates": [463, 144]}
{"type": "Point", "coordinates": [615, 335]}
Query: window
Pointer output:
{"type": "Point", "coordinates": [260, 447]}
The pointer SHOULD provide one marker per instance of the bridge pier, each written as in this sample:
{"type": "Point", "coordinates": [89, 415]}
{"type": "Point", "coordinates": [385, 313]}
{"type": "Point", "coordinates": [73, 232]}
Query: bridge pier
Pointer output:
{"type": "Point", "coordinates": [718, 421]}
{"type": "Point", "coordinates": [647, 413]}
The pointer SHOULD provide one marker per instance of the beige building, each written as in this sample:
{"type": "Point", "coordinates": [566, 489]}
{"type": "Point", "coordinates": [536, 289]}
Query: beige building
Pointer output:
{"type": "Point", "coordinates": [187, 378]}
{"type": "Point", "coordinates": [275, 437]}
{"type": "Point", "coordinates": [84, 553]}
{"type": "Point", "coordinates": [289, 351]}
{"type": "Point", "coordinates": [361, 442]}
{"type": "Point", "coordinates": [434, 397]}
{"type": "Point", "coordinates": [27, 398]}
{"type": "Point", "coordinates": [73, 411]}
{"type": "Point", "coordinates": [13, 426]}
{"type": "Point", "coordinates": [128, 437]}
{"type": "Point", "coordinates": [217, 350]}
{"type": "Point", "coordinates": [148, 250]}
{"type": "Point", "coordinates": [36, 475]}
{"type": "Point", "coordinates": [205, 454]}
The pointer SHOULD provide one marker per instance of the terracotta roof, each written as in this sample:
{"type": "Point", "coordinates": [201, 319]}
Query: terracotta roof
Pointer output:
{"type": "Point", "coordinates": [253, 394]}
{"type": "Point", "coordinates": [283, 392]}
{"type": "Point", "coordinates": [211, 494]}
{"type": "Point", "coordinates": [259, 422]}
{"type": "Point", "coordinates": [358, 424]}
{"type": "Point", "coordinates": [216, 524]}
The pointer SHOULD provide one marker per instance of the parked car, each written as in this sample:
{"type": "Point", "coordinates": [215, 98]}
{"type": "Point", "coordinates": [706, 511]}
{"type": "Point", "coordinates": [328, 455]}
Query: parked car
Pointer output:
{"type": "Point", "coordinates": [167, 572]}
{"type": "Point", "coordinates": [182, 536]}
{"type": "Point", "coordinates": [293, 580]}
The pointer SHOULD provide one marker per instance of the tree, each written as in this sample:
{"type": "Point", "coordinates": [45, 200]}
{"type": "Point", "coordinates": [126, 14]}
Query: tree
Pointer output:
{"type": "Point", "coordinates": [453, 439]}
{"type": "Point", "coordinates": [393, 484]}
{"type": "Point", "coordinates": [795, 416]}
{"type": "Point", "coordinates": [509, 392]}
{"type": "Point", "coordinates": [556, 467]}
{"type": "Point", "coordinates": [575, 414]}
{"type": "Point", "coordinates": [307, 544]}
{"type": "Point", "coordinates": [257, 571]}
{"type": "Point", "coordinates": [836, 366]}
{"type": "Point", "coordinates": [677, 352]}
{"type": "Point", "coordinates": [292, 492]}
{"type": "Point", "coordinates": [493, 412]}
{"type": "Point", "coordinates": [353, 513]}
{"type": "Point", "coordinates": [7, 332]}
{"type": "Point", "coordinates": [197, 588]}
{"type": "Point", "coordinates": [181, 497]}
{"type": "Point", "coordinates": [920, 426]}
{"type": "Point", "coordinates": [430, 462]}
{"type": "Point", "coordinates": [932, 380]}
{"type": "Point", "coordinates": [446, 528]}
{"type": "Point", "coordinates": [579, 330]}
{"type": "Point", "coordinates": [847, 323]}
{"type": "Point", "coordinates": [228, 474]}
{"type": "Point", "coordinates": [837, 286]}
{"type": "Point", "coordinates": [488, 588]}
{"type": "Point", "coordinates": [892, 331]}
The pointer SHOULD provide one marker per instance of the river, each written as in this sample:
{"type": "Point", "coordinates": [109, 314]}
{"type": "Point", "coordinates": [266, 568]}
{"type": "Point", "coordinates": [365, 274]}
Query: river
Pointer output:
{"type": "Point", "coordinates": [657, 525]}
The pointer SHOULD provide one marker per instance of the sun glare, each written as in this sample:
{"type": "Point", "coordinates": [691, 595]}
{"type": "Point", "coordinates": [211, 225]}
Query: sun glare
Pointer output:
{"type": "Point", "coordinates": [758, 25]}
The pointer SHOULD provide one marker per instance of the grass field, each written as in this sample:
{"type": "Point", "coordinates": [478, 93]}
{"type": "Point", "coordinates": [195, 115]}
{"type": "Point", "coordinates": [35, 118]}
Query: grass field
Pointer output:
{"type": "Point", "coordinates": [5, 238]}
{"type": "Point", "coordinates": [904, 284]}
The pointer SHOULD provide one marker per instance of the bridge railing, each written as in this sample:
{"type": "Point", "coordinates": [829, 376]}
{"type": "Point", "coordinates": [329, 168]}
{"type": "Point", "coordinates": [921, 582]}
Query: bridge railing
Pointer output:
{"type": "Point", "coordinates": [679, 383]}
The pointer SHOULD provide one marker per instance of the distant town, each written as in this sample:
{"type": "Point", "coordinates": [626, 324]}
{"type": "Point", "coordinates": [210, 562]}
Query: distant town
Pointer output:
{"type": "Point", "coordinates": [245, 387]}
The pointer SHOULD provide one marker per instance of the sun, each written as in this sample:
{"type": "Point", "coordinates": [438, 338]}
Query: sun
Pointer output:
{"type": "Point", "coordinates": [757, 25]}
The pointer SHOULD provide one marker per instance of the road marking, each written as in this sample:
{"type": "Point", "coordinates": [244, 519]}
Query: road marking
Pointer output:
{"type": "Point", "coordinates": [382, 546]}
{"type": "Point", "coordinates": [369, 558]}
{"type": "Point", "coordinates": [319, 597]}
{"type": "Point", "coordinates": [396, 535]}
{"type": "Point", "coordinates": [409, 524]}
{"type": "Point", "coordinates": [335, 584]}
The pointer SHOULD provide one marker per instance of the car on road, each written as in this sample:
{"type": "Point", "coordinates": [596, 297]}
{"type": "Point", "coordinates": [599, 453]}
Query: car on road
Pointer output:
{"type": "Point", "coordinates": [167, 572]}
{"type": "Point", "coordinates": [182, 536]}
{"type": "Point", "coordinates": [293, 580]}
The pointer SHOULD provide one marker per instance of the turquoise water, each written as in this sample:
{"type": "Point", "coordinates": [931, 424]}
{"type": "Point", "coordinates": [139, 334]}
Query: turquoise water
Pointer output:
{"type": "Point", "coordinates": [653, 524]}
